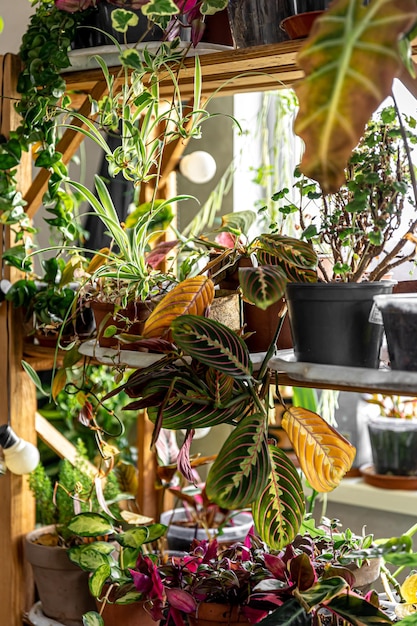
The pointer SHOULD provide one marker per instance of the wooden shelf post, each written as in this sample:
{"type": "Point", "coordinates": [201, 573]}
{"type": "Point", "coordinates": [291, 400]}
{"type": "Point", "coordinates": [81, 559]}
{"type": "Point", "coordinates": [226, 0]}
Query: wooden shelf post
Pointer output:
{"type": "Point", "coordinates": [17, 510]}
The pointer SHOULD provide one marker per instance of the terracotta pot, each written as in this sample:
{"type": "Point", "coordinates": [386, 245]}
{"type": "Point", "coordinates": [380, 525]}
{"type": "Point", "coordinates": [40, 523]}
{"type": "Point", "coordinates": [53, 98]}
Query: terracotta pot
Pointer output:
{"type": "Point", "coordinates": [133, 614]}
{"type": "Point", "coordinates": [217, 29]}
{"type": "Point", "coordinates": [131, 320]}
{"type": "Point", "coordinates": [62, 586]}
{"type": "Point", "coordinates": [210, 613]}
{"type": "Point", "coordinates": [299, 26]}
{"type": "Point", "coordinates": [264, 324]}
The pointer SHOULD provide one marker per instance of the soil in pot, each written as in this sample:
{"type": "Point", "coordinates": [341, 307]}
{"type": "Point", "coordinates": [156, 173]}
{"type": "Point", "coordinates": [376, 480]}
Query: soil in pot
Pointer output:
{"type": "Point", "coordinates": [399, 312]}
{"type": "Point", "coordinates": [62, 586]}
{"type": "Point", "coordinates": [182, 531]}
{"type": "Point", "coordinates": [394, 445]}
{"type": "Point", "coordinates": [336, 323]}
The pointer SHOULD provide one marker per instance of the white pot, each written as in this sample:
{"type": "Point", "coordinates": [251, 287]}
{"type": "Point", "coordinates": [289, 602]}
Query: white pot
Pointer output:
{"type": "Point", "coordinates": [180, 537]}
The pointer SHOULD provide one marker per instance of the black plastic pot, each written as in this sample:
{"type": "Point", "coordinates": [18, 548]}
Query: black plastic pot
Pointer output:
{"type": "Point", "coordinates": [257, 22]}
{"type": "Point", "coordinates": [394, 445]}
{"type": "Point", "coordinates": [336, 323]}
{"type": "Point", "coordinates": [90, 32]}
{"type": "Point", "coordinates": [399, 313]}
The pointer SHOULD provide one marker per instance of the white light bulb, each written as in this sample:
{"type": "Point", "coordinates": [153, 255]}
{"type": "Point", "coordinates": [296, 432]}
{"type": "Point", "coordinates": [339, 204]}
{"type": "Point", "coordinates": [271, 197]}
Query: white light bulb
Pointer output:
{"type": "Point", "coordinates": [20, 456]}
{"type": "Point", "coordinates": [199, 167]}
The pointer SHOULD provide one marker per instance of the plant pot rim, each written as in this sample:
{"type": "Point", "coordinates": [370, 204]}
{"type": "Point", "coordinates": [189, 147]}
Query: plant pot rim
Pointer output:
{"type": "Point", "coordinates": [244, 522]}
{"type": "Point", "coordinates": [392, 423]}
{"type": "Point", "coordinates": [404, 302]}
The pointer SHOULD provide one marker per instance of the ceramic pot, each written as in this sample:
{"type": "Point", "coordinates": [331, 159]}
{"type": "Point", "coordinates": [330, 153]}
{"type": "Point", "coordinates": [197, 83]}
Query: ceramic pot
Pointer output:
{"type": "Point", "coordinates": [257, 22]}
{"type": "Point", "coordinates": [180, 536]}
{"type": "Point", "coordinates": [336, 323]}
{"type": "Point", "coordinates": [210, 613]}
{"type": "Point", "coordinates": [399, 313]}
{"type": "Point", "coordinates": [394, 445]}
{"type": "Point", "coordinates": [62, 586]}
{"type": "Point", "coordinates": [299, 26]}
{"type": "Point", "coordinates": [131, 320]}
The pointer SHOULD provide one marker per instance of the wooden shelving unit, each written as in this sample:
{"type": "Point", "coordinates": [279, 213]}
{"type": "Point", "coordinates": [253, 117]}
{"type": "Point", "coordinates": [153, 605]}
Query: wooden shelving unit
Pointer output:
{"type": "Point", "coordinates": [224, 73]}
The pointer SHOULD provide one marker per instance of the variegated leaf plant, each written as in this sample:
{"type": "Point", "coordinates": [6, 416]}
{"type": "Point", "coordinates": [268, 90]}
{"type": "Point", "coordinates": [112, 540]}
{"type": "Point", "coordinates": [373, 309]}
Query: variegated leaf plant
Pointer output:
{"type": "Point", "coordinates": [208, 378]}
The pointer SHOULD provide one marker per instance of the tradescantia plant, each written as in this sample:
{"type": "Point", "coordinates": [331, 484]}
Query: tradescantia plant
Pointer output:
{"type": "Point", "coordinates": [350, 60]}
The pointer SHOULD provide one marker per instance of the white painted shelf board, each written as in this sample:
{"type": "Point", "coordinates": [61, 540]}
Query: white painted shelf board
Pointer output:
{"type": "Point", "coordinates": [367, 378]}
{"type": "Point", "coordinates": [355, 492]}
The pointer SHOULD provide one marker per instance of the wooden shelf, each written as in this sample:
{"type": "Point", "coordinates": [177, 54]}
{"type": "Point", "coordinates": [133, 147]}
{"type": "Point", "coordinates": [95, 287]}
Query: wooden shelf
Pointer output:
{"type": "Point", "coordinates": [260, 68]}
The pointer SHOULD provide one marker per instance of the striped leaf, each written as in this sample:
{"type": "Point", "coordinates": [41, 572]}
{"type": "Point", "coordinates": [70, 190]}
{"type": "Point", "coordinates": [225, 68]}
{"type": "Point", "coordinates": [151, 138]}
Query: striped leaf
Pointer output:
{"type": "Point", "coordinates": [192, 295]}
{"type": "Point", "coordinates": [325, 456]}
{"type": "Point", "coordinates": [263, 285]}
{"type": "Point", "coordinates": [213, 344]}
{"type": "Point", "coordinates": [179, 414]}
{"type": "Point", "coordinates": [349, 61]}
{"type": "Point", "coordinates": [242, 466]}
{"type": "Point", "coordinates": [279, 510]}
{"type": "Point", "coordinates": [289, 249]}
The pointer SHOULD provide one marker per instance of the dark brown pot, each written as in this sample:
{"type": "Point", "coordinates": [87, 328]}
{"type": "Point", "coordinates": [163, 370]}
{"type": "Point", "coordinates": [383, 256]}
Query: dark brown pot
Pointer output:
{"type": "Point", "coordinates": [129, 320]}
{"type": "Point", "coordinates": [62, 586]}
{"type": "Point", "coordinates": [210, 613]}
{"type": "Point", "coordinates": [264, 324]}
{"type": "Point", "coordinates": [217, 29]}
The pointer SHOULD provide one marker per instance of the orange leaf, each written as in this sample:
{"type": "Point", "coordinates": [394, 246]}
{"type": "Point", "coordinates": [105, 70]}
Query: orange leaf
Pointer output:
{"type": "Point", "coordinates": [59, 382]}
{"type": "Point", "coordinates": [191, 296]}
{"type": "Point", "coordinates": [324, 455]}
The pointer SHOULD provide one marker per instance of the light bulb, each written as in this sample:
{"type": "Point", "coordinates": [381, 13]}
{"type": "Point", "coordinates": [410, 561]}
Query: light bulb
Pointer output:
{"type": "Point", "coordinates": [199, 167]}
{"type": "Point", "coordinates": [20, 456]}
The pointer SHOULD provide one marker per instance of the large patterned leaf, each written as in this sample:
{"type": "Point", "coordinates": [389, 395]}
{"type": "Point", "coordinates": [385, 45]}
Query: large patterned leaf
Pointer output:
{"type": "Point", "coordinates": [213, 344]}
{"type": "Point", "coordinates": [192, 295]}
{"type": "Point", "coordinates": [263, 285]}
{"type": "Point", "coordinates": [279, 510]}
{"type": "Point", "coordinates": [178, 415]}
{"type": "Point", "coordinates": [325, 456]}
{"type": "Point", "coordinates": [294, 251]}
{"type": "Point", "coordinates": [242, 466]}
{"type": "Point", "coordinates": [350, 61]}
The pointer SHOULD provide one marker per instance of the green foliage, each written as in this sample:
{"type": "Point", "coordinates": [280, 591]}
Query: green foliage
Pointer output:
{"type": "Point", "coordinates": [41, 486]}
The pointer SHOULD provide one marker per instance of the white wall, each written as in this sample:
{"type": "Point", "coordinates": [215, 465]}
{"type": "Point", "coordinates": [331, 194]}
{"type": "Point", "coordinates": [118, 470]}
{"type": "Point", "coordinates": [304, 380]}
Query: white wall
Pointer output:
{"type": "Point", "coordinates": [15, 14]}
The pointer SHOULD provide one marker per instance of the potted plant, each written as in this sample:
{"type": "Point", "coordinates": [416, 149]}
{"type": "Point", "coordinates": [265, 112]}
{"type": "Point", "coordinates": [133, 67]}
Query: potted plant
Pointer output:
{"type": "Point", "coordinates": [352, 230]}
{"type": "Point", "coordinates": [62, 587]}
{"type": "Point", "coordinates": [392, 432]}
{"type": "Point", "coordinates": [248, 583]}
{"type": "Point", "coordinates": [109, 564]}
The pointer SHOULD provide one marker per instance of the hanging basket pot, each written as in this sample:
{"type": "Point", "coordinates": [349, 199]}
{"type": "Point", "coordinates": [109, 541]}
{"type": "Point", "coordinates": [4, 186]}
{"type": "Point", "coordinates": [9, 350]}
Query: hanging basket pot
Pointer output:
{"type": "Point", "coordinates": [336, 323]}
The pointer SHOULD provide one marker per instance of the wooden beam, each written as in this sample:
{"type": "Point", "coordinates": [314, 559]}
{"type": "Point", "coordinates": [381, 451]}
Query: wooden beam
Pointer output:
{"type": "Point", "coordinates": [17, 511]}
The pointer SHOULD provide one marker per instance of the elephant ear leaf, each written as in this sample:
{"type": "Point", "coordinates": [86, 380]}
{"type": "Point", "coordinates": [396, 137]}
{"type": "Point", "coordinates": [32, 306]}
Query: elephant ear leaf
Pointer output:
{"type": "Point", "coordinates": [241, 469]}
{"type": "Point", "coordinates": [279, 510]}
{"type": "Point", "coordinates": [193, 296]}
{"type": "Point", "coordinates": [350, 61]}
{"type": "Point", "coordinates": [324, 455]}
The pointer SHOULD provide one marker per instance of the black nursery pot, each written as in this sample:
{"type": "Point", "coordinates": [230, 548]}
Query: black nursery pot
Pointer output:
{"type": "Point", "coordinates": [336, 323]}
{"type": "Point", "coordinates": [89, 35]}
{"type": "Point", "coordinates": [399, 313]}
{"type": "Point", "coordinates": [394, 445]}
{"type": "Point", "coordinates": [257, 22]}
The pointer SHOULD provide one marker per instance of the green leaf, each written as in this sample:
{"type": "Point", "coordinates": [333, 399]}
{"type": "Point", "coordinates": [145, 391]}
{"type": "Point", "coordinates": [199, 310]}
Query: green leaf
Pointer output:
{"type": "Point", "coordinates": [91, 556]}
{"type": "Point", "coordinates": [240, 472]}
{"type": "Point", "coordinates": [90, 525]}
{"type": "Point", "coordinates": [356, 610]}
{"type": "Point", "coordinates": [213, 344]}
{"type": "Point", "coordinates": [92, 618]}
{"type": "Point", "coordinates": [291, 613]}
{"type": "Point", "coordinates": [262, 285]}
{"type": "Point", "coordinates": [34, 377]}
{"type": "Point", "coordinates": [237, 223]}
{"type": "Point", "coordinates": [134, 538]}
{"type": "Point", "coordinates": [98, 579]}
{"type": "Point", "coordinates": [122, 19]}
{"type": "Point", "coordinates": [279, 510]}
{"type": "Point", "coordinates": [160, 8]}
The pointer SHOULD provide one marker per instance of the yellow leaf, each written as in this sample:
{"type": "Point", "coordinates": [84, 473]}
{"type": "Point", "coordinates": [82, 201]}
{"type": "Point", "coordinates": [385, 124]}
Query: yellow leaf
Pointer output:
{"type": "Point", "coordinates": [98, 260]}
{"type": "Point", "coordinates": [191, 296]}
{"type": "Point", "coordinates": [135, 518]}
{"type": "Point", "coordinates": [58, 383]}
{"type": "Point", "coordinates": [324, 455]}
{"type": "Point", "coordinates": [409, 589]}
